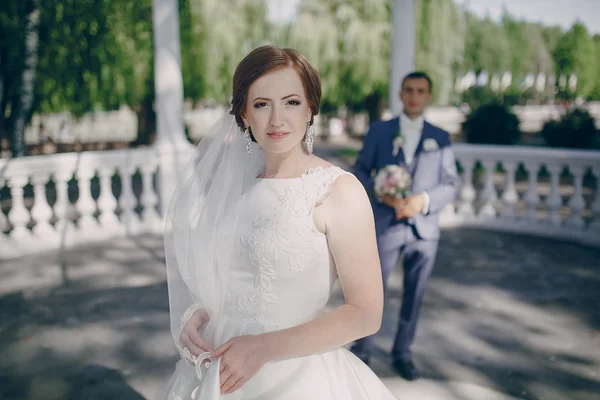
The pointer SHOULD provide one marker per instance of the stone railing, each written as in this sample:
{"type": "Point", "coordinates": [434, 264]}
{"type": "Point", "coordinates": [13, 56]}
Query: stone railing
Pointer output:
{"type": "Point", "coordinates": [541, 191]}
{"type": "Point", "coordinates": [57, 201]}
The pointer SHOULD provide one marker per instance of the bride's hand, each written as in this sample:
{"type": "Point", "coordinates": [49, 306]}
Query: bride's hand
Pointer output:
{"type": "Point", "coordinates": [242, 357]}
{"type": "Point", "coordinates": [190, 335]}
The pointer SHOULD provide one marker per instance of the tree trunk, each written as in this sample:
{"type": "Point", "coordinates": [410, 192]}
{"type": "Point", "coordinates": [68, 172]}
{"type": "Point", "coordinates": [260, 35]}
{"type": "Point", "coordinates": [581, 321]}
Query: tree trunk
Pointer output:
{"type": "Point", "coordinates": [27, 89]}
{"type": "Point", "coordinates": [2, 125]}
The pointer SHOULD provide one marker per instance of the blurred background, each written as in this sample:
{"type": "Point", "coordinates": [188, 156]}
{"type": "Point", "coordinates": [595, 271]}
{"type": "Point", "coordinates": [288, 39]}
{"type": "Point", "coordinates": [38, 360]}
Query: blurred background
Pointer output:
{"type": "Point", "coordinates": [88, 160]}
{"type": "Point", "coordinates": [91, 63]}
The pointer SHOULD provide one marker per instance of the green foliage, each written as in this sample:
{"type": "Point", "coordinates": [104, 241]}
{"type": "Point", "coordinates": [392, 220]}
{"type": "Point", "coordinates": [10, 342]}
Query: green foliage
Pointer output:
{"type": "Point", "coordinates": [487, 46]}
{"type": "Point", "coordinates": [440, 44]}
{"type": "Point", "coordinates": [349, 42]}
{"type": "Point", "coordinates": [223, 31]}
{"type": "Point", "coordinates": [575, 52]}
{"type": "Point", "coordinates": [98, 54]}
{"type": "Point", "coordinates": [575, 129]}
{"type": "Point", "coordinates": [94, 55]}
{"type": "Point", "coordinates": [477, 96]}
{"type": "Point", "coordinates": [492, 124]}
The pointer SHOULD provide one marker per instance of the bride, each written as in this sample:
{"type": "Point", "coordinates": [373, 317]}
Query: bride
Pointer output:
{"type": "Point", "coordinates": [257, 233]}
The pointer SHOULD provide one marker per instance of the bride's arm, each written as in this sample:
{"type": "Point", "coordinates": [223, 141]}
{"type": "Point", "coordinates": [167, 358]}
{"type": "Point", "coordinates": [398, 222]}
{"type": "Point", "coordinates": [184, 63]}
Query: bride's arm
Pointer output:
{"type": "Point", "coordinates": [351, 235]}
{"type": "Point", "coordinates": [350, 232]}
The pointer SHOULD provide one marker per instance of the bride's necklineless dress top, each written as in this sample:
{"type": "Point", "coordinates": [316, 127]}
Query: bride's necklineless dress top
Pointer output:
{"type": "Point", "coordinates": [282, 275]}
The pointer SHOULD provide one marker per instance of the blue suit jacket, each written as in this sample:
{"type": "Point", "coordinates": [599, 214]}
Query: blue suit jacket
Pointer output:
{"type": "Point", "coordinates": [433, 171]}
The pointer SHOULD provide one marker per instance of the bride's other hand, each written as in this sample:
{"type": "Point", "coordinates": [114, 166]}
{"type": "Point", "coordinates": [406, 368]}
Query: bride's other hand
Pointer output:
{"type": "Point", "coordinates": [242, 358]}
{"type": "Point", "coordinates": [190, 335]}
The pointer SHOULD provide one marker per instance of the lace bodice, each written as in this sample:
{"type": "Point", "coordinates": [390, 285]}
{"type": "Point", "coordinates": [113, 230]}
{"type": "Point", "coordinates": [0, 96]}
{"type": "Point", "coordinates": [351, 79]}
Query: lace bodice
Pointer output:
{"type": "Point", "coordinates": [282, 271]}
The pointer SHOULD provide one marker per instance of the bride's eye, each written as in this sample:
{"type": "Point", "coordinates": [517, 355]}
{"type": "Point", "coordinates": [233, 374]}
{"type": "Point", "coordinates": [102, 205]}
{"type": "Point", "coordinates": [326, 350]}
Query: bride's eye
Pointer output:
{"type": "Point", "coordinates": [259, 105]}
{"type": "Point", "coordinates": [294, 102]}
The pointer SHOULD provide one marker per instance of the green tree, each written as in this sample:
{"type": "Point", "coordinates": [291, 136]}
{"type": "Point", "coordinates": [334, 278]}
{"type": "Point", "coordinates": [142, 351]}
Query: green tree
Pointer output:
{"type": "Point", "coordinates": [575, 53]}
{"type": "Point", "coordinates": [19, 35]}
{"type": "Point", "coordinates": [223, 31]}
{"type": "Point", "coordinates": [349, 42]}
{"type": "Point", "coordinates": [440, 44]}
{"type": "Point", "coordinates": [522, 60]}
{"type": "Point", "coordinates": [596, 93]}
{"type": "Point", "coordinates": [487, 47]}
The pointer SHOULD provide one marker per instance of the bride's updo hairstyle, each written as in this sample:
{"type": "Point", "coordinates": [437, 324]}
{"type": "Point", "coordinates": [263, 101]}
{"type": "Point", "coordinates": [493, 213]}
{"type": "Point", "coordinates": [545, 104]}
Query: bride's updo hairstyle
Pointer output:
{"type": "Point", "coordinates": [265, 59]}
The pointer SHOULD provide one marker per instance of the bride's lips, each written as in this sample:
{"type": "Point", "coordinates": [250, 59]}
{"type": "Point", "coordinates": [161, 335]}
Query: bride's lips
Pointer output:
{"type": "Point", "coordinates": [277, 135]}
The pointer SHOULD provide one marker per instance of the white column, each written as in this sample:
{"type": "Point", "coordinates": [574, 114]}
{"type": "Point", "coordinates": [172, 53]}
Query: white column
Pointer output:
{"type": "Point", "coordinates": [488, 195]}
{"type": "Point", "coordinates": [41, 211]}
{"type": "Point", "coordinates": [577, 202]}
{"type": "Point", "coordinates": [168, 81]}
{"type": "Point", "coordinates": [86, 205]}
{"type": "Point", "coordinates": [554, 201]}
{"type": "Point", "coordinates": [149, 199]}
{"type": "Point", "coordinates": [169, 95]}
{"type": "Point", "coordinates": [467, 192]}
{"type": "Point", "coordinates": [510, 196]}
{"type": "Point", "coordinates": [128, 201]}
{"type": "Point", "coordinates": [18, 214]}
{"type": "Point", "coordinates": [532, 198]}
{"type": "Point", "coordinates": [107, 203]}
{"type": "Point", "coordinates": [403, 48]}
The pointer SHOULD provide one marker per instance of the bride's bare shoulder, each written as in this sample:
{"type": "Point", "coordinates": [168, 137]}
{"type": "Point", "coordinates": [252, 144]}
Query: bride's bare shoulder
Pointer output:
{"type": "Point", "coordinates": [318, 162]}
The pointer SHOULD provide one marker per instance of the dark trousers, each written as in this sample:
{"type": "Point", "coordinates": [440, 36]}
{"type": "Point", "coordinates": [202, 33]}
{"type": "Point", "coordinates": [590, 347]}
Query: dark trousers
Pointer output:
{"type": "Point", "coordinates": [419, 259]}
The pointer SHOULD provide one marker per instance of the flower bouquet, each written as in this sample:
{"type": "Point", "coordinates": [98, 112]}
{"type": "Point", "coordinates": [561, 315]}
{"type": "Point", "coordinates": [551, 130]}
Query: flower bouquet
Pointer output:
{"type": "Point", "coordinates": [392, 180]}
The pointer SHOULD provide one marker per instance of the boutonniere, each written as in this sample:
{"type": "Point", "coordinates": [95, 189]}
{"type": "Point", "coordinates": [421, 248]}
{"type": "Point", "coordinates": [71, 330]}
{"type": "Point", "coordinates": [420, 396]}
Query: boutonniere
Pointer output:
{"type": "Point", "coordinates": [397, 144]}
{"type": "Point", "coordinates": [430, 145]}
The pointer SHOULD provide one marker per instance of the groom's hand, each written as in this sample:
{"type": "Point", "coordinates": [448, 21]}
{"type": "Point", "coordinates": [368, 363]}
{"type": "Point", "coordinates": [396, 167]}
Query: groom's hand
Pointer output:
{"type": "Point", "coordinates": [410, 206]}
{"type": "Point", "coordinates": [392, 201]}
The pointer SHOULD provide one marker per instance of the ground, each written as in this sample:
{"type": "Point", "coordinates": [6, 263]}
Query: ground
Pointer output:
{"type": "Point", "coordinates": [505, 316]}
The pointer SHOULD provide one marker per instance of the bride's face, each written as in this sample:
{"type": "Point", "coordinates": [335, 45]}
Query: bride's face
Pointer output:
{"type": "Point", "coordinates": [277, 110]}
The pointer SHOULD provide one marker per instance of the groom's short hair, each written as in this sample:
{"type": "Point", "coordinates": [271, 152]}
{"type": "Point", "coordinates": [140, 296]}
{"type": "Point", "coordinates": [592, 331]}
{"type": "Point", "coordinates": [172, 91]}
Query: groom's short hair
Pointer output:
{"type": "Point", "coordinates": [418, 75]}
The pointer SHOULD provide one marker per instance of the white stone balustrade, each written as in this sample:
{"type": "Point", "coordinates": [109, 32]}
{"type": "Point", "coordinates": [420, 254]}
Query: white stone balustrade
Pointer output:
{"type": "Point", "coordinates": [38, 223]}
{"type": "Point", "coordinates": [562, 202]}
{"type": "Point", "coordinates": [555, 203]}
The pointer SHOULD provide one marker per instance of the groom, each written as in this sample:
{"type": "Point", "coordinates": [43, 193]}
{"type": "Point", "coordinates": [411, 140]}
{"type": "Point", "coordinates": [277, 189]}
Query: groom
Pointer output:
{"type": "Point", "coordinates": [408, 226]}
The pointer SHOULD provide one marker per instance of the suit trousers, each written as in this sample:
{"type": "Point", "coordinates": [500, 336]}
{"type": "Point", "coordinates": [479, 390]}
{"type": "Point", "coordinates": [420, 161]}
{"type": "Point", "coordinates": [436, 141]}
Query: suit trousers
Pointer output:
{"type": "Point", "coordinates": [418, 261]}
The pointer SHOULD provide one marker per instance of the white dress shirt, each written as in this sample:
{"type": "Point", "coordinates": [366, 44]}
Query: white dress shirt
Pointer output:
{"type": "Point", "coordinates": [411, 131]}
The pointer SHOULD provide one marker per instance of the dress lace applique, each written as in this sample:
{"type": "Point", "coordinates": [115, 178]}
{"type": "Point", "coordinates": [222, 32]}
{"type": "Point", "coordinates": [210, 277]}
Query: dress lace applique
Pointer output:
{"type": "Point", "coordinates": [282, 235]}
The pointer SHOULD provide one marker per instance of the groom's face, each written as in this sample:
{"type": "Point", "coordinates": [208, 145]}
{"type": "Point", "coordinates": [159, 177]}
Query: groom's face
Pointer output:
{"type": "Point", "coordinates": [415, 95]}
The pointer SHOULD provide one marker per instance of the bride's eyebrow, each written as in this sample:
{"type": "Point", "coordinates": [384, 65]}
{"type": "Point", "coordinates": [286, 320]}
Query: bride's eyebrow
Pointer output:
{"type": "Point", "coordinates": [283, 98]}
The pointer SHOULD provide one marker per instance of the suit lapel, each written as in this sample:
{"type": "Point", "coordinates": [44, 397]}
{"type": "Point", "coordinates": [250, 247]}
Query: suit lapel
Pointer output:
{"type": "Point", "coordinates": [394, 128]}
{"type": "Point", "coordinates": [426, 134]}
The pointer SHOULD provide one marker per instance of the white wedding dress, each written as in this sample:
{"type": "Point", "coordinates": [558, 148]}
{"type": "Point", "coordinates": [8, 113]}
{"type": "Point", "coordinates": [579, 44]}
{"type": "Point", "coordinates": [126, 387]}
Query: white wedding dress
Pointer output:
{"type": "Point", "coordinates": [282, 276]}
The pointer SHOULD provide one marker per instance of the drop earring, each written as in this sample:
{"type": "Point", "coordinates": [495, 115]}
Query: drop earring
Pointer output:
{"type": "Point", "coordinates": [248, 140]}
{"type": "Point", "coordinates": [309, 138]}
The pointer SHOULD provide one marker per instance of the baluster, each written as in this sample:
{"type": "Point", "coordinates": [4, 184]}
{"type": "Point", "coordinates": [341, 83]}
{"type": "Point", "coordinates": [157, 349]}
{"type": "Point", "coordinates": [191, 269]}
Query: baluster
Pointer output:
{"type": "Point", "coordinates": [63, 209]}
{"type": "Point", "coordinates": [149, 199]}
{"type": "Point", "coordinates": [18, 214]}
{"type": "Point", "coordinates": [595, 224]}
{"type": "Point", "coordinates": [554, 200]}
{"type": "Point", "coordinates": [510, 195]}
{"type": "Point", "coordinates": [489, 195]}
{"type": "Point", "coordinates": [467, 192]}
{"type": "Point", "coordinates": [576, 202]}
{"type": "Point", "coordinates": [128, 201]}
{"type": "Point", "coordinates": [41, 211]}
{"type": "Point", "coordinates": [532, 198]}
{"type": "Point", "coordinates": [85, 203]}
{"type": "Point", "coordinates": [107, 203]}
